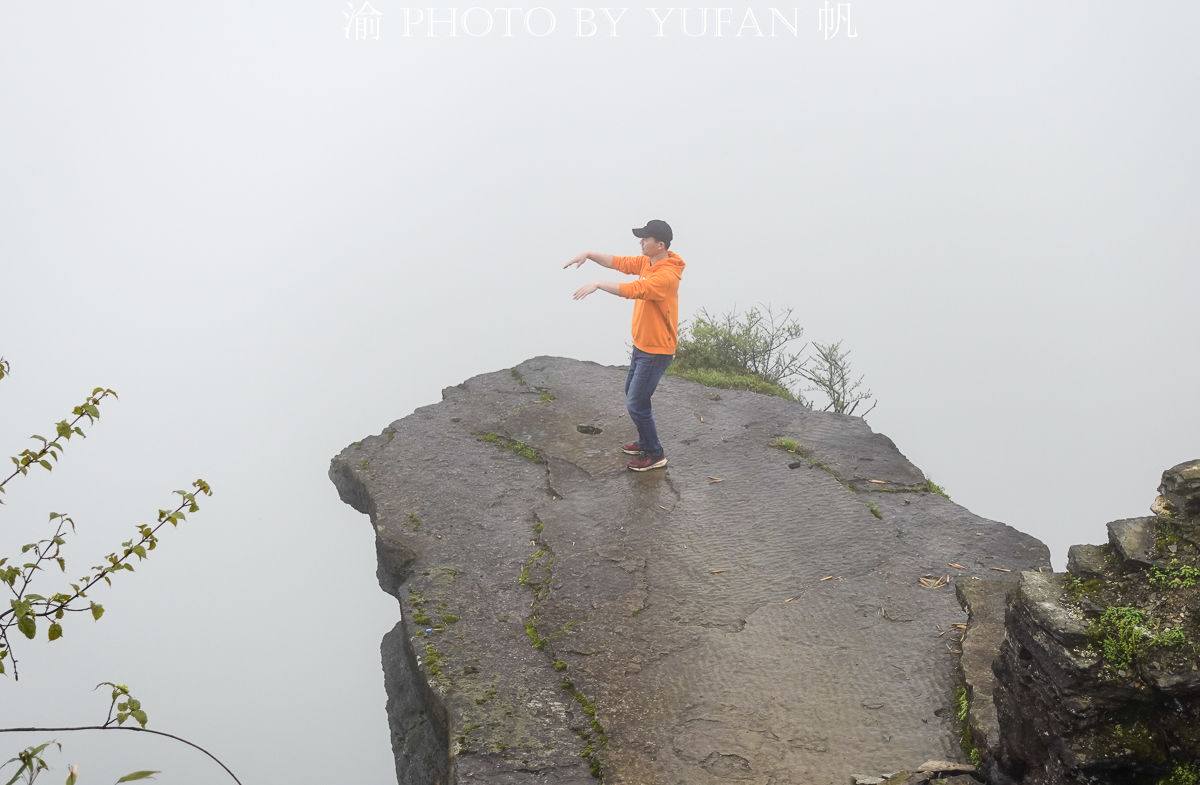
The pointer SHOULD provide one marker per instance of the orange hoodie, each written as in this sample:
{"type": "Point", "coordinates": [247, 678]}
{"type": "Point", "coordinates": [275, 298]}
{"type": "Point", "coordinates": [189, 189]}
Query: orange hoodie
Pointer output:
{"type": "Point", "coordinates": [656, 312]}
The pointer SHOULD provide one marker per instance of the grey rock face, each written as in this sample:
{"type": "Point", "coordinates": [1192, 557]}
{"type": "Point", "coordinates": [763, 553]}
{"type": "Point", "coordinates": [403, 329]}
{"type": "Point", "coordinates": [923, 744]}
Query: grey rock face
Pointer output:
{"type": "Point", "coordinates": [1181, 488]}
{"type": "Point", "coordinates": [1087, 561]}
{"type": "Point", "coordinates": [1134, 539]}
{"type": "Point", "coordinates": [741, 616]}
{"type": "Point", "coordinates": [984, 601]}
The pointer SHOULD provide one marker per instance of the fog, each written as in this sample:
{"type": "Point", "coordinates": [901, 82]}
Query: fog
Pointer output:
{"type": "Point", "coordinates": [275, 228]}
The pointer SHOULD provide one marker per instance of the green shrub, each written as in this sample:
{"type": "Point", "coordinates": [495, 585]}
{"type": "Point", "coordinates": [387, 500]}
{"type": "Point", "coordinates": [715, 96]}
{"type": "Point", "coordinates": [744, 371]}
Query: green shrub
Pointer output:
{"type": "Point", "coordinates": [754, 343]}
{"type": "Point", "coordinates": [751, 351]}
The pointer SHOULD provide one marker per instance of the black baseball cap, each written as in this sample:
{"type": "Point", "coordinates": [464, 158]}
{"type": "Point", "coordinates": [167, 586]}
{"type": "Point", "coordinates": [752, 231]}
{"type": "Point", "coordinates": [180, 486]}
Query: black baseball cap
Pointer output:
{"type": "Point", "coordinates": [659, 230]}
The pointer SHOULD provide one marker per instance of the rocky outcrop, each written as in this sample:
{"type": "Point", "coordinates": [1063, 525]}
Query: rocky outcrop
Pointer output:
{"type": "Point", "coordinates": [985, 602]}
{"type": "Point", "coordinates": [775, 607]}
{"type": "Point", "coordinates": [1180, 491]}
{"type": "Point", "coordinates": [1098, 677]}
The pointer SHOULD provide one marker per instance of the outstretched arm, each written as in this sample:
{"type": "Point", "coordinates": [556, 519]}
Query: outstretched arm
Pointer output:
{"type": "Point", "coordinates": [588, 288]}
{"type": "Point", "coordinates": [602, 259]}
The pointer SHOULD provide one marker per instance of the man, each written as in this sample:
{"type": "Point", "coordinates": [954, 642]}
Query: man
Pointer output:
{"type": "Point", "coordinates": [655, 328]}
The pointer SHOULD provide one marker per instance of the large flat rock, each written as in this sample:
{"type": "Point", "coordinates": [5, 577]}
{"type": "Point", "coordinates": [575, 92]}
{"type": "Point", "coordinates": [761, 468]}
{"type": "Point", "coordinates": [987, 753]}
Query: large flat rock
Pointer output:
{"type": "Point", "coordinates": [742, 616]}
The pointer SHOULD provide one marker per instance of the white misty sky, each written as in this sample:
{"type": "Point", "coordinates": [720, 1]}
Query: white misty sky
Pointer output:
{"type": "Point", "coordinates": [273, 239]}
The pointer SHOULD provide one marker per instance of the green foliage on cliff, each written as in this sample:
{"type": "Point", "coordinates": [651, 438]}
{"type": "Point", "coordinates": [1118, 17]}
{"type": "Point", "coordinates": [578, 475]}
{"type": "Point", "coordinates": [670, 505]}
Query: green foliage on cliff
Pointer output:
{"type": "Point", "coordinates": [1183, 774]}
{"type": "Point", "coordinates": [1121, 635]}
{"type": "Point", "coordinates": [1173, 576]}
{"type": "Point", "coordinates": [1125, 634]}
{"type": "Point", "coordinates": [740, 351]}
{"type": "Point", "coordinates": [725, 380]}
{"type": "Point", "coordinates": [933, 487]}
{"type": "Point", "coordinates": [752, 351]}
{"type": "Point", "coordinates": [966, 737]}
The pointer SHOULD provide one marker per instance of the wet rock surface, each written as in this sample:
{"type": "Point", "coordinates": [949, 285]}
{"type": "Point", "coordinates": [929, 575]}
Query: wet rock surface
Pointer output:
{"type": "Point", "coordinates": [1098, 677]}
{"type": "Point", "coordinates": [749, 614]}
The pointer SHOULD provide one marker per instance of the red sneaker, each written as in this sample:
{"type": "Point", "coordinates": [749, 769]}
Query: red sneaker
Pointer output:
{"type": "Point", "coordinates": [646, 463]}
{"type": "Point", "coordinates": [633, 448]}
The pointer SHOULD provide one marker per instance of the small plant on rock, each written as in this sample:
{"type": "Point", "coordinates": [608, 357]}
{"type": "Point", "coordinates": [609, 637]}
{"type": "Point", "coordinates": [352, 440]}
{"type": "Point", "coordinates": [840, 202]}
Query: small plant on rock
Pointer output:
{"type": "Point", "coordinates": [1121, 635]}
{"type": "Point", "coordinates": [1124, 635]}
{"type": "Point", "coordinates": [1174, 576]}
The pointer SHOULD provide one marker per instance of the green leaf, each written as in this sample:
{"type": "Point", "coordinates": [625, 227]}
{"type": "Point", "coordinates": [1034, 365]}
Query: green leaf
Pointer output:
{"type": "Point", "coordinates": [71, 777]}
{"type": "Point", "coordinates": [137, 775]}
{"type": "Point", "coordinates": [28, 626]}
{"type": "Point", "coordinates": [97, 610]}
{"type": "Point", "coordinates": [62, 563]}
{"type": "Point", "coordinates": [140, 716]}
{"type": "Point", "coordinates": [94, 412]}
{"type": "Point", "coordinates": [55, 631]}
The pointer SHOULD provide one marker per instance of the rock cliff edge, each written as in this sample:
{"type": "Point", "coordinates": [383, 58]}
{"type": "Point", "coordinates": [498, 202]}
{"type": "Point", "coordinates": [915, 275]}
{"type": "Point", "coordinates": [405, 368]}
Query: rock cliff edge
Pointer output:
{"type": "Point", "coordinates": [775, 607]}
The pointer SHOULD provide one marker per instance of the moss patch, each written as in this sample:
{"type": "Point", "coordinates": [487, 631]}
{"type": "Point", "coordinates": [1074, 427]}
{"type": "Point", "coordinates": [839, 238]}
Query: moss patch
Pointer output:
{"type": "Point", "coordinates": [966, 737]}
{"type": "Point", "coordinates": [933, 487]}
{"type": "Point", "coordinates": [726, 380]}
{"type": "Point", "coordinates": [596, 738]}
{"type": "Point", "coordinates": [792, 446]}
{"type": "Point", "coordinates": [514, 446]}
{"type": "Point", "coordinates": [1077, 589]}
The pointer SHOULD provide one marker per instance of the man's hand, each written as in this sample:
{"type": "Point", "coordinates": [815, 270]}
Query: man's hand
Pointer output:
{"type": "Point", "coordinates": [602, 259]}
{"type": "Point", "coordinates": [586, 289]}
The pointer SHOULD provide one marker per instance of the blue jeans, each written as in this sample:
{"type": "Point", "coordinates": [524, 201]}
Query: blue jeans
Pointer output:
{"type": "Point", "coordinates": [645, 371]}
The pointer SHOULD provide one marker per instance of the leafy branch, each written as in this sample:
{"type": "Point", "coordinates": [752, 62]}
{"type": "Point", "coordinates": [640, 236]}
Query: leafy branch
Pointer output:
{"type": "Point", "coordinates": [126, 706]}
{"type": "Point", "coordinates": [26, 607]}
{"type": "Point", "coordinates": [52, 448]}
